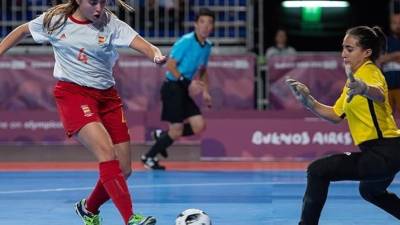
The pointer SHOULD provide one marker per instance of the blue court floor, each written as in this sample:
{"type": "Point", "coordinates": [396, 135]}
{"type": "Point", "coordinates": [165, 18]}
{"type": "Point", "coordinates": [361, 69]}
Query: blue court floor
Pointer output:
{"type": "Point", "coordinates": [230, 198]}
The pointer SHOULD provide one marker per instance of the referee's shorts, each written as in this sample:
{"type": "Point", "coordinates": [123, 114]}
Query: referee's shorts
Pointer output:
{"type": "Point", "coordinates": [177, 105]}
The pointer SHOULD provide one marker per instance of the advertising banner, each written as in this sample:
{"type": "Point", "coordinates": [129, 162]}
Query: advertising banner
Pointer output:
{"type": "Point", "coordinates": [26, 82]}
{"type": "Point", "coordinates": [45, 127]}
{"type": "Point", "coordinates": [230, 135]}
{"type": "Point", "coordinates": [273, 138]}
{"type": "Point", "coordinates": [323, 74]}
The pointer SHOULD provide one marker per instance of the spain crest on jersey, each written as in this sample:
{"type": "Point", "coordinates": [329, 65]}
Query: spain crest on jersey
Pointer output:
{"type": "Point", "coordinates": [63, 36]}
{"type": "Point", "coordinates": [101, 39]}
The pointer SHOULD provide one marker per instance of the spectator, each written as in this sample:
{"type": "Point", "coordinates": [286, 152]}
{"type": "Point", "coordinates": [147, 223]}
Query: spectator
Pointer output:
{"type": "Point", "coordinates": [391, 63]}
{"type": "Point", "coordinates": [280, 47]}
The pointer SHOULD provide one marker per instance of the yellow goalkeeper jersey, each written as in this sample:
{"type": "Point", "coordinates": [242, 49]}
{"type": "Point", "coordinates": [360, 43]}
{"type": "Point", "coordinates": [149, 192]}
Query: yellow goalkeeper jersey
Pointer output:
{"type": "Point", "coordinates": [367, 120]}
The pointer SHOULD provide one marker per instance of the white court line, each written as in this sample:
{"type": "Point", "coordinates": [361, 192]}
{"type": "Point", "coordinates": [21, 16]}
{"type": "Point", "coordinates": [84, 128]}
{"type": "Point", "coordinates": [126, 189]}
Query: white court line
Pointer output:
{"type": "Point", "coordinates": [171, 185]}
{"type": "Point", "coordinates": [145, 186]}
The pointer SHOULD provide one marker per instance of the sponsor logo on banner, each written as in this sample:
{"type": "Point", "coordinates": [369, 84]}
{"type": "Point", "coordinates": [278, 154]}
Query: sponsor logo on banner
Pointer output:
{"type": "Point", "coordinates": [14, 64]}
{"type": "Point", "coordinates": [236, 64]}
{"type": "Point", "coordinates": [327, 64]}
{"type": "Point", "coordinates": [42, 65]}
{"type": "Point", "coordinates": [301, 138]}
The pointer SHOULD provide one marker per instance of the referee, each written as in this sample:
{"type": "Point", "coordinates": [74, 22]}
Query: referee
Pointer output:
{"type": "Point", "coordinates": [189, 56]}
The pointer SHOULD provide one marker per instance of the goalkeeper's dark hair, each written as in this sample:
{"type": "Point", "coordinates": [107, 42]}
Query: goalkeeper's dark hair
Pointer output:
{"type": "Point", "coordinates": [370, 38]}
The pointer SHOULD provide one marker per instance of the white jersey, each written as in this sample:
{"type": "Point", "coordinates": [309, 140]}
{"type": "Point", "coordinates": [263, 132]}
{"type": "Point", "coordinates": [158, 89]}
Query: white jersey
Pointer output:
{"type": "Point", "coordinates": [85, 54]}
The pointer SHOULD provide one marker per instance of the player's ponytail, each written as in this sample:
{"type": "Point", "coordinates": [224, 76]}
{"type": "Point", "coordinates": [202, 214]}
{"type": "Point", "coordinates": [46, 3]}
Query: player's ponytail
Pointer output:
{"type": "Point", "coordinates": [382, 43]}
{"type": "Point", "coordinates": [66, 10]}
{"type": "Point", "coordinates": [126, 5]}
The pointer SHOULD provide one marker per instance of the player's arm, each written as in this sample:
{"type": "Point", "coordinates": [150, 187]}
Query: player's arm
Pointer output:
{"type": "Point", "coordinates": [14, 38]}
{"type": "Point", "coordinates": [206, 94]}
{"type": "Point", "coordinates": [173, 68]}
{"type": "Point", "coordinates": [325, 112]}
{"type": "Point", "coordinates": [204, 77]}
{"type": "Point", "coordinates": [375, 93]}
{"type": "Point", "coordinates": [303, 95]}
{"type": "Point", "coordinates": [389, 57]}
{"type": "Point", "coordinates": [359, 87]}
{"type": "Point", "coordinates": [149, 50]}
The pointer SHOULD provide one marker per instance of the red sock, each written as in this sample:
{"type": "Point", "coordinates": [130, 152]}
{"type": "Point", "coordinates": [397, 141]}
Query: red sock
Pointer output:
{"type": "Point", "coordinates": [115, 184]}
{"type": "Point", "coordinates": [97, 198]}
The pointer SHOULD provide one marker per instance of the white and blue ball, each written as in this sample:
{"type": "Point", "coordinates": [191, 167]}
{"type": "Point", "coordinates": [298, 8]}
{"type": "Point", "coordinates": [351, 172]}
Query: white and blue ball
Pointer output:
{"type": "Point", "coordinates": [193, 217]}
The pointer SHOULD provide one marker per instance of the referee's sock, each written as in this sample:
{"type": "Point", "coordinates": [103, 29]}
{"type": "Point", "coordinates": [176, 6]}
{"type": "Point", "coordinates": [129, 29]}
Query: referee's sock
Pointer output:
{"type": "Point", "coordinates": [162, 143]}
{"type": "Point", "coordinates": [187, 130]}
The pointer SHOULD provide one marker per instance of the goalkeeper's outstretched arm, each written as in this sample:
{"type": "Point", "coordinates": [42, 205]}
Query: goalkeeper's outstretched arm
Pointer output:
{"type": "Point", "coordinates": [325, 112]}
{"type": "Point", "coordinates": [303, 95]}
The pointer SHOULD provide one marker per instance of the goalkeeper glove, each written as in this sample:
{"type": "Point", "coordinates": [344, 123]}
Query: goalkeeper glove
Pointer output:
{"type": "Point", "coordinates": [356, 87]}
{"type": "Point", "coordinates": [301, 92]}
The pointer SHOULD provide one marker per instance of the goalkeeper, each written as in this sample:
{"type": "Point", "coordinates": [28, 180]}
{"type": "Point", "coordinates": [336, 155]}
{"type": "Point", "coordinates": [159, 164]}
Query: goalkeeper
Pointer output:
{"type": "Point", "coordinates": [364, 103]}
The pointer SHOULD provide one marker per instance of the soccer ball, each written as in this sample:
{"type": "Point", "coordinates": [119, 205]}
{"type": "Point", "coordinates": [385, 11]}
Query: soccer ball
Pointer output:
{"type": "Point", "coordinates": [193, 217]}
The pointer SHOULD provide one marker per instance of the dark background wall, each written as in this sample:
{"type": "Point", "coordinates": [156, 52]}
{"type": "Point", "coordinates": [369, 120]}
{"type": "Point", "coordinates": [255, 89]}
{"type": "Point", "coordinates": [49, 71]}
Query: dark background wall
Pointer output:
{"type": "Point", "coordinates": [326, 36]}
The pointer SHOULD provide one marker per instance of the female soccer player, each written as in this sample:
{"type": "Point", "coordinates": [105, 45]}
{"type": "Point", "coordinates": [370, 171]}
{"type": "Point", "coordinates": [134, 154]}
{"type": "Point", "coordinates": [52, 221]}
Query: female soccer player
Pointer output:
{"type": "Point", "coordinates": [364, 103]}
{"type": "Point", "coordinates": [84, 35]}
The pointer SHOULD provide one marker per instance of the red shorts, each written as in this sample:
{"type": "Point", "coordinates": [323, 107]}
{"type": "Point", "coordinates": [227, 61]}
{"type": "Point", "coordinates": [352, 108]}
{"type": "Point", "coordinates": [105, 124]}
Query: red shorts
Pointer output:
{"type": "Point", "coordinates": [80, 105]}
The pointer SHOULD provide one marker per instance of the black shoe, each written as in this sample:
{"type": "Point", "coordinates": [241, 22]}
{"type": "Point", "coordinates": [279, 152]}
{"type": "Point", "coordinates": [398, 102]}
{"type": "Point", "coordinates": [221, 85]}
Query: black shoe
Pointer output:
{"type": "Point", "coordinates": [151, 163]}
{"type": "Point", "coordinates": [156, 134]}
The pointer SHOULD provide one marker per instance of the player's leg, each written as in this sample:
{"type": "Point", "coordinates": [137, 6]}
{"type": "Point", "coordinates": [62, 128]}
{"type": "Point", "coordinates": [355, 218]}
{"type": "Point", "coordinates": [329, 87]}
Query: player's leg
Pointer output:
{"type": "Point", "coordinates": [95, 137]}
{"type": "Point", "coordinates": [123, 153]}
{"type": "Point", "coordinates": [186, 131]}
{"type": "Point", "coordinates": [165, 140]}
{"type": "Point", "coordinates": [115, 123]}
{"type": "Point", "coordinates": [193, 123]}
{"type": "Point", "coordinates": [319, 175]}
{"type": "Point", "coordinates": [172, 96]}
{"type": "Point", "coordinates": [77, 109]}
{"type": "Point", "coordinates": [124, 156]}
{"type": "Point", "coordinates": [376, 192]}
{"type": "Point", "coordinates": [375, 162]}
{"type": "Point", "coordinates": [385, 163]}
{"type": "Point", "coordinates": [99, 195]}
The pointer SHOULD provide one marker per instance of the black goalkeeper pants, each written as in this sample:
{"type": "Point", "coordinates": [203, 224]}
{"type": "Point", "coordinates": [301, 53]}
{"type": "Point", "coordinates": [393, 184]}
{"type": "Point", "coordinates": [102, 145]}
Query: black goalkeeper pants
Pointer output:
{"type": "Point", "coordinates": [375, 167]}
